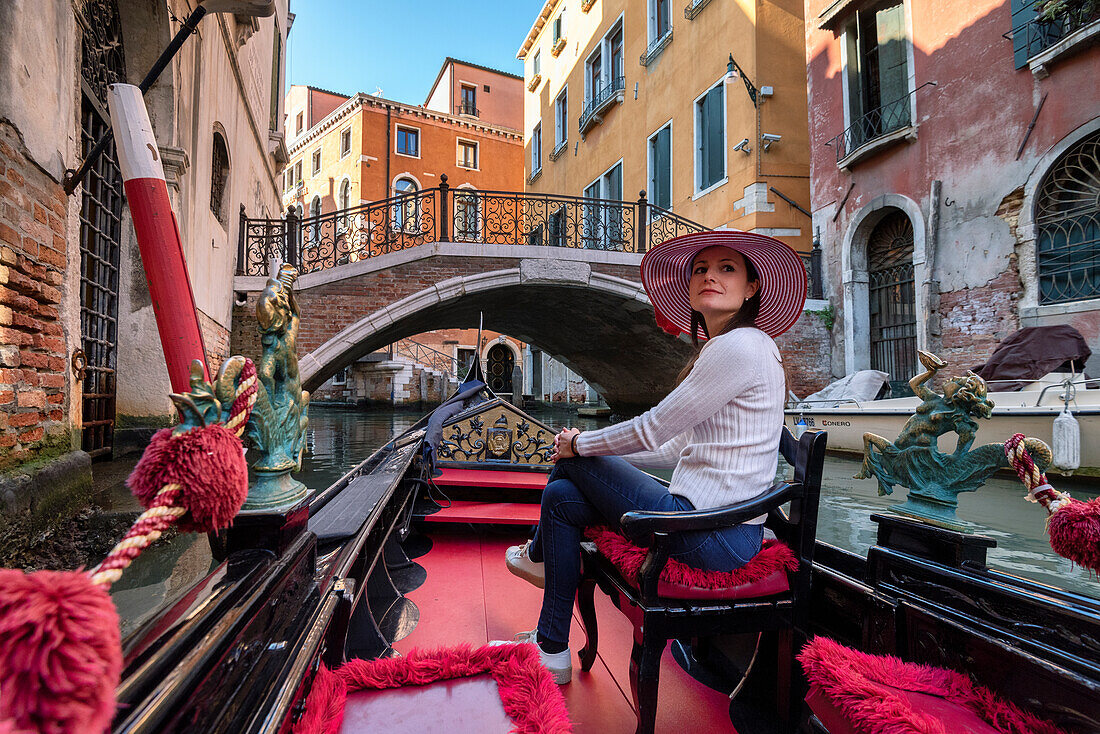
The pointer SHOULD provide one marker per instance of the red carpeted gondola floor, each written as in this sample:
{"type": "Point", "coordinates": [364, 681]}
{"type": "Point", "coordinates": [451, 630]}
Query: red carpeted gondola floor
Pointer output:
{"type": "Point", "coordinates": [470, 596]}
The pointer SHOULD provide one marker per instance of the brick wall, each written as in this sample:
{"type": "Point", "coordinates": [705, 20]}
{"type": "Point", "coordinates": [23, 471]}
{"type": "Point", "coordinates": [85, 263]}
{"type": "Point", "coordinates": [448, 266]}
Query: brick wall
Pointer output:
{"type": "Point", "coordinates": [215, 338]}
{"type": "Point", "coordinates": [974, 320]}
{"type": "Point", "coordinates": [328, 309]}
{"type": "Point", "coordinates": [34, 366]}
{"type": "Point", "coordinates": [807, 353]}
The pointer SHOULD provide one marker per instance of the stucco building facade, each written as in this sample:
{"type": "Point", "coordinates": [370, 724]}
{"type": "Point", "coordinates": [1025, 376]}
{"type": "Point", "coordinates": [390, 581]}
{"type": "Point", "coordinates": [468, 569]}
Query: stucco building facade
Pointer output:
{"type": "Point", "coordinates": [631, 95]}
{"type": "Point", "coordinates": [350, 151]}
{"type": "Point", "coordinates": [956, 176]}
{"type": "Point", "coordinates": [79, 345]}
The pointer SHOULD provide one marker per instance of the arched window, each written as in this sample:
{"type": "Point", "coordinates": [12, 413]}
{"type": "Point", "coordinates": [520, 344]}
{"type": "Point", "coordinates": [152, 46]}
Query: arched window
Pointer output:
{"type": "Point", "coordinates": [1067, 216]}
{"type": "Point", "coordinates": [467, 210]}
{"type": "Point", "coordinates": [219, 176]}
{"type": "Point", "coordinates": [313, 230]}
{"type": "Point", "coordinates": [343, 203]}
{"type": "Point", "coordinates": [405, 210]}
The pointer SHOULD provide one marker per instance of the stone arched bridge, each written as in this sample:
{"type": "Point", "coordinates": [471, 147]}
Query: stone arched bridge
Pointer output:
{"type": "Point", "coordinates": [561, 273]}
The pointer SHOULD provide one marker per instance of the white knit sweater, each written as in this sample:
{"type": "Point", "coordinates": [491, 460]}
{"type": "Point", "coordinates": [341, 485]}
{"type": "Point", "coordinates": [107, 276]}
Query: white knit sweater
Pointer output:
{"type": "Point", "coordinates": [720, 427]}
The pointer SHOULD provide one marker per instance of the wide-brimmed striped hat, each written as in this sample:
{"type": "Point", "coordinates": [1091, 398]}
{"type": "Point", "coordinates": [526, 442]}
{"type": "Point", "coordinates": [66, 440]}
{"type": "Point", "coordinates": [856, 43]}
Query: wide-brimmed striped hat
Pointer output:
{"type": "Point", "coordinates": [666, 270]}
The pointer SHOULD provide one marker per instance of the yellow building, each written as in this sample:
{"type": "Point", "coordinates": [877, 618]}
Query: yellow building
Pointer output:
{"type": "Point", "coordinates": [625, 95]}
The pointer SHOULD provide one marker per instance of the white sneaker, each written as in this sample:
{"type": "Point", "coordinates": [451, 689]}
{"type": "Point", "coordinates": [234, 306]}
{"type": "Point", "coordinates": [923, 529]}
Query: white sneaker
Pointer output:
{"type": "Point", "coordinates": [519, 562]}
{"type": "Point", "coordinates": [560, 664]}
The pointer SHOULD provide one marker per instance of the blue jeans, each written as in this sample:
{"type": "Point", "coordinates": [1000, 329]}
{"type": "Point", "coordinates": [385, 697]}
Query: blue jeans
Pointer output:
{"type": "Point", "coordinates": [586, 491]}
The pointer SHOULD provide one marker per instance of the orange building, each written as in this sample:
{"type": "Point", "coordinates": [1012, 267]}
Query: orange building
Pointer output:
{"type": "Point", "coordinates": [470, 90]}
{"type": "Point", "coordinates": [346, 151]}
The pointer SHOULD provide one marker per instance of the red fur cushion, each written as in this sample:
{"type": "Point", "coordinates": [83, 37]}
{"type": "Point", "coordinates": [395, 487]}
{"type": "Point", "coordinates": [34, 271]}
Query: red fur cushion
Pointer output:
{"type": "Point", "coordinates": [628, 558]}
{"type": "Point", "coordinates": [527, 691]}
{"type": "Point", "coordinates": [874, 693]}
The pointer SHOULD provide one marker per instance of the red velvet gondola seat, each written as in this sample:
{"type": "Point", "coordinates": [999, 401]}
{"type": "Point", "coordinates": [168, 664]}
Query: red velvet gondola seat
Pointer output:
{"type": "Point", "coordinates": [856, 693]}
{"type": "Point", "coordinates": [765, 574]}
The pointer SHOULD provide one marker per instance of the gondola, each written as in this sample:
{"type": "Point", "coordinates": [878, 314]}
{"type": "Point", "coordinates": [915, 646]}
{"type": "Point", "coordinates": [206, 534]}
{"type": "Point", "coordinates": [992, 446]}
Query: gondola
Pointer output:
{"type": "Point", "coordinates": [328, 582]}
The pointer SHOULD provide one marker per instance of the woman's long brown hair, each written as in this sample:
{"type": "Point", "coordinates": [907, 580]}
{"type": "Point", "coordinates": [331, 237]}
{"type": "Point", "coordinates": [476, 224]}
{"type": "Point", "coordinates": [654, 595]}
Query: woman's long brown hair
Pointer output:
{"type": "Point", "coordinates": [745, 316]}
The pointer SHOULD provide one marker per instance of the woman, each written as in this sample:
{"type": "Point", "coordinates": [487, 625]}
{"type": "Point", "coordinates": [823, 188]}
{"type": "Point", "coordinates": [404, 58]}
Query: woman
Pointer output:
{"type": "Point", "coordinates": [719, 427]}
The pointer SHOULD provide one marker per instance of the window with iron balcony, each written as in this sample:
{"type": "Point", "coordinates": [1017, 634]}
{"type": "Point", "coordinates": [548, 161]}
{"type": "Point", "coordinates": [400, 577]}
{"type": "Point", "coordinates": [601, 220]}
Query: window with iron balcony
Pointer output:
{"type": "Point", "coordinates": [1044, 31]}
{"type": "Point", "coordinates": [604, 79]}
{"type": "Point", "coordinates": [879, 97]}
{"type": "Point", "coordinates": [659, 30]}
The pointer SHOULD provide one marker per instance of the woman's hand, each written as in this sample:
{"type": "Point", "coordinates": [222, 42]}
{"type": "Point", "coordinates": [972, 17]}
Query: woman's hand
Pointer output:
{"type": "Point", "coordinates": [563, 444]}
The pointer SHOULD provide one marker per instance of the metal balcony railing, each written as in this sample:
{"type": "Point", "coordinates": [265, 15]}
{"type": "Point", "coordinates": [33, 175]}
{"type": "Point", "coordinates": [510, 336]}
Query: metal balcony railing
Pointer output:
{"type": "Point", "coordinates": [877, 123]}
{"type": "Point", "coordinates": [602, 98]}
{"type": "Point", "coordinates": [694, 7]}
{"type": "Point", "coordinates": [467, 108]}
{"type": "Point", "coordinates": [1039, 34]}
{"type": "Point", "coordinates": [655, 48]}
{"type": "Point", "coordinates": [443, 215]}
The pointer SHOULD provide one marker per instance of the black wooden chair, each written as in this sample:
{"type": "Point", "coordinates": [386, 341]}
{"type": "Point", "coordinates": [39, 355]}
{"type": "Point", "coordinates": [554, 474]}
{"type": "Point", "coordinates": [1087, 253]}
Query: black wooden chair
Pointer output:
{"type": "Point", "coordinates": [661, 611]}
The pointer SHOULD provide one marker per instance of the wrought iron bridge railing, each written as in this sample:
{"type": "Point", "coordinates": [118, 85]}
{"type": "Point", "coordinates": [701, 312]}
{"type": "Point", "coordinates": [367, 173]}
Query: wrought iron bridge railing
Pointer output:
{"type": "Point", "coordinates": [601, 99]}
{"type": "Point", "coordinates": [1039, 34]}
{"type": "Point", "coordinates": [443, 214]}
{"type": "Point", "coordinates": [875, 124]}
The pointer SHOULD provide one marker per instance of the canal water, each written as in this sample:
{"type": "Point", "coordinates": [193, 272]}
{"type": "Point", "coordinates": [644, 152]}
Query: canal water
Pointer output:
{"type": "Point", "coordinates": [339, 439]}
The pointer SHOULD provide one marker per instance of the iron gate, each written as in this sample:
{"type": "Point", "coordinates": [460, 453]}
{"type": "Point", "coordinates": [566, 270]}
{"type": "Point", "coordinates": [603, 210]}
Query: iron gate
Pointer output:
{"type": "Point", "coordinates": [500, 363]}
{"type": "Point", "coordinates": [102, 63]}
{"type": "Point", "coordinates": [893, 300]}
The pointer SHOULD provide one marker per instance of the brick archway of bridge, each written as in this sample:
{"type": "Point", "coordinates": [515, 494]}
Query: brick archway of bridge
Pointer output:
{"type": "Point", "coordinates": [586, 308]}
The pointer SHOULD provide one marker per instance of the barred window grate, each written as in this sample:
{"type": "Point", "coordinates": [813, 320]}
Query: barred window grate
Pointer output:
{"type": "Point", "coordinates": [1068, 219]}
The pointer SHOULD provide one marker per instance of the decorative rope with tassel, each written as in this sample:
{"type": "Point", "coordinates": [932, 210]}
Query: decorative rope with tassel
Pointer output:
{"type": "Point", "coordinates": [1073, 527]}
{"type": "Point", "coordinates": [1038, 488]}
{"type": "Point", "coordinates": [165, 508]}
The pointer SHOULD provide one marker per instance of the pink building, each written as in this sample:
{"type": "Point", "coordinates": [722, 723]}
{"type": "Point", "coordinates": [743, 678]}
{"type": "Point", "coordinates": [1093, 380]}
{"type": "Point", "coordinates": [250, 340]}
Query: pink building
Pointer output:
{"type": "Point", "coordinates": [955, 155]}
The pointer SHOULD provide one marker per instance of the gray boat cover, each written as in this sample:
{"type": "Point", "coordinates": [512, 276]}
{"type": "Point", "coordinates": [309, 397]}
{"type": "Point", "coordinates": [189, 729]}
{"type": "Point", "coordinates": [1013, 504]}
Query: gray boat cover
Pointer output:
{"type": "Point", "coordinates": [1030, 353]}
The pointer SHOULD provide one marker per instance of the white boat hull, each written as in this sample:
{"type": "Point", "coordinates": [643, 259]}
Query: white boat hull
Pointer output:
{"type": "Point", "coordinates": [1014, 412]}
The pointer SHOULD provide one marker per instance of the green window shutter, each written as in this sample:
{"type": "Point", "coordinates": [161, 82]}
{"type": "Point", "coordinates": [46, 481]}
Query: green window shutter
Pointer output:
{"type": "Point", "coordinates": [893, 71]}
{"type": "Point", "coordinates": [1023, 11]}
{"type": "Point", "coordinates": [715, 151]}
{"type": "Point", "coordinates": [662, 150]}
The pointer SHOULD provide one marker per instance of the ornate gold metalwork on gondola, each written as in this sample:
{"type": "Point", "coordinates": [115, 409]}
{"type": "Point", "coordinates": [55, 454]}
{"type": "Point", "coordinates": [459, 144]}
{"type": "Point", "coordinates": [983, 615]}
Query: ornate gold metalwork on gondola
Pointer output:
{"type": "Point", "coordinates": [496, 432]}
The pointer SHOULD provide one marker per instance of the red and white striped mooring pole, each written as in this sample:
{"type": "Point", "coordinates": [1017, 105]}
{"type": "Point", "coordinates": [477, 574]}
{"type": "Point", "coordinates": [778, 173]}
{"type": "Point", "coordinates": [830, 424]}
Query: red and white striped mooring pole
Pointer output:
{"type": "Point", "coordinates": [158, 235]}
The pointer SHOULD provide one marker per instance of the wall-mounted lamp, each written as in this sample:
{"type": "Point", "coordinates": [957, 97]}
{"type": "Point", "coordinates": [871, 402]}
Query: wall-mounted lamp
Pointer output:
{"type": "Point", "coordinates": [734, 72]}
{"type": "Point", "coordinates": [743, 146]}
{"type": "Point", "coordinates": [768, 138]}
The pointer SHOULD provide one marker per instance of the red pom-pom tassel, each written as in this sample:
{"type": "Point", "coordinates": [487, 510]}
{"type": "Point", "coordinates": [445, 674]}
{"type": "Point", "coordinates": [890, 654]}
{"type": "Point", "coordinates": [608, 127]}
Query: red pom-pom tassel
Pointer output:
{"type": "Point", "coordinates": [208, 464]}
{"type": "Point", "coordinates": [1075, 533]}
{"type": "Point", "coordinates": [61, 652]}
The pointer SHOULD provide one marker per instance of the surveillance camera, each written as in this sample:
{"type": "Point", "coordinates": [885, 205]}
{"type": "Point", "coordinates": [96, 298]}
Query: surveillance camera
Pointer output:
{"type": "Point", "coordinates": [769, 138]}
{"type": "Point", "coordinates": [743, 146]}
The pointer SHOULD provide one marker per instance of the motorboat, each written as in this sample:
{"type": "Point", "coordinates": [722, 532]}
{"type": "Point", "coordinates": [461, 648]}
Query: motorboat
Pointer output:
{"type": "Point", "coordinates": [1030, 410]}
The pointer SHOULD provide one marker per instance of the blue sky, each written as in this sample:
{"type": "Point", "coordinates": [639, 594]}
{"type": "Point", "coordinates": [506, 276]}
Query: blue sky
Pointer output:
{"type": "Point", "coordinates": [353, 46]}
